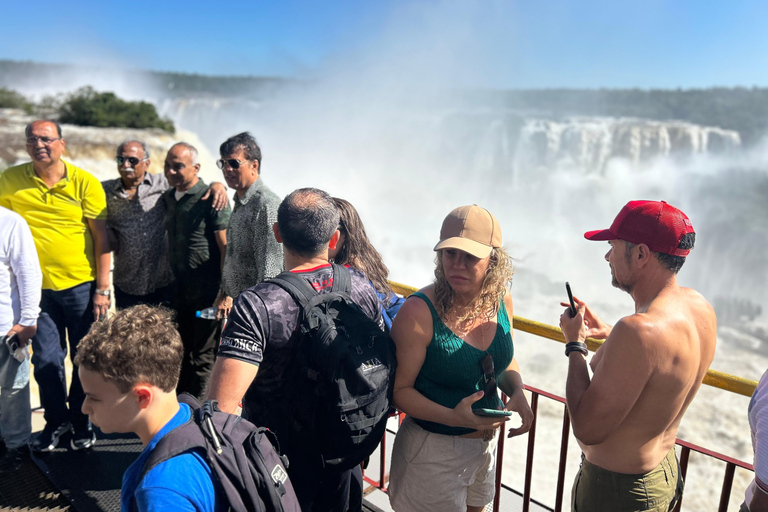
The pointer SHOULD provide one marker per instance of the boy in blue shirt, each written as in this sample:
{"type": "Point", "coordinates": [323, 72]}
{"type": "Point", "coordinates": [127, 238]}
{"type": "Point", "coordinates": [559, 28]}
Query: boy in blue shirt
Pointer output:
{"type": "Point", "coordinates": [129, 366]}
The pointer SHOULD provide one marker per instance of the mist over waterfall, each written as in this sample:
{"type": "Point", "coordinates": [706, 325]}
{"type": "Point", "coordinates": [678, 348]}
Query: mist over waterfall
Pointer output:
{"type": "Point", "coordinates": [406, 155]}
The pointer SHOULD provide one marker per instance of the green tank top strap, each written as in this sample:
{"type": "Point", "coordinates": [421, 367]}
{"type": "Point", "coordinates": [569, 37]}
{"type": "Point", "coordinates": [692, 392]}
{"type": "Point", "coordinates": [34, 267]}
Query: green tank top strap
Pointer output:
{"type": "Point", "coordinates": [429, 303]}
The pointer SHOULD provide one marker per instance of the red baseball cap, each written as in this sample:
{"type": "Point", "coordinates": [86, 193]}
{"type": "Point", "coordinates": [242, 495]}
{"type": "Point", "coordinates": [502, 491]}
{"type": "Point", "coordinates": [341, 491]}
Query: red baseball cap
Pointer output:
{"type": "Point", "coordinates": [656, 224]}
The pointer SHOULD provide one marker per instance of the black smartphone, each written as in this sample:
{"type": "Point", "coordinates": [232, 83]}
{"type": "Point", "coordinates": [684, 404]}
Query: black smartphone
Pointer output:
{"type": "Point", "coordinates": [492, 412]}
{"type": "Point", "coordinates": [12, 342]}
{"type": "Point", "coordinates": [570, 299]}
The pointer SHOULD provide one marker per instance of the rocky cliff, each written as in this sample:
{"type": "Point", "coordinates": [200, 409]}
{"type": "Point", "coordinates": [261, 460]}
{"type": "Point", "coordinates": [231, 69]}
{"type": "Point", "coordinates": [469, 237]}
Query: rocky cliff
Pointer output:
{"type": "Point", "coordinates": [93, 149]}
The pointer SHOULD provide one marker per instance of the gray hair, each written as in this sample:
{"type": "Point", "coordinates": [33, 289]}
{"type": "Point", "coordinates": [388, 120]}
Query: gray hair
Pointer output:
{"type": "Point", "coordinates": [192, 151]}
{"type": "Point", "coordinates": [141, 143]}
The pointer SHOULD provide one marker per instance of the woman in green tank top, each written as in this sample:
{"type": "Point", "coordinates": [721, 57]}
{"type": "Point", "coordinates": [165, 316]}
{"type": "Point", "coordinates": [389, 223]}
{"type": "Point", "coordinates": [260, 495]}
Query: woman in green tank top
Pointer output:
{"type": "Point", "coordinates": [454, 348]}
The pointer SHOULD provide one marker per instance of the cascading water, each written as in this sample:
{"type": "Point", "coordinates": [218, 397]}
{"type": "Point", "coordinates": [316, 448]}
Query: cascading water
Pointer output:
{"type": "Point", "coordinates": [405, 163]}
{"type": "Point", "coordinates": [547, 180]}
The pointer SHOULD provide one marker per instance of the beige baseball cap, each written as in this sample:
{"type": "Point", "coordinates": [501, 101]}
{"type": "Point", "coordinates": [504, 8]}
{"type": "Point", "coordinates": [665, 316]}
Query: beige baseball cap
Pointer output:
{"type": "Point", "coordinates": [471, 229]}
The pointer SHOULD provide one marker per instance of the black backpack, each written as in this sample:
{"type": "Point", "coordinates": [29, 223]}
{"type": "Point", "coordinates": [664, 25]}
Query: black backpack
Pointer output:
{"type": "Point", "coordinates": [341, 376]}
{"type": "Point", "coordinates": [243, 458]}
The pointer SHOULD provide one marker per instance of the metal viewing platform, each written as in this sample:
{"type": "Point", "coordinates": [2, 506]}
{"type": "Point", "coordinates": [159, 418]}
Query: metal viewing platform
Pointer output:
{"type": "Point", "coordinates": [90, 481]}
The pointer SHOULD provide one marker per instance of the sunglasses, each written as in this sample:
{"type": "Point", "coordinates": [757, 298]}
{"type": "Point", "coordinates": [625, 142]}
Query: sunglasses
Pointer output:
{"type": "Point", "coordinates": [235, 164]}
{"type": "Point", "coordinates": [130, 159]}
{"type": "Point", "coordinates": [489, 376]}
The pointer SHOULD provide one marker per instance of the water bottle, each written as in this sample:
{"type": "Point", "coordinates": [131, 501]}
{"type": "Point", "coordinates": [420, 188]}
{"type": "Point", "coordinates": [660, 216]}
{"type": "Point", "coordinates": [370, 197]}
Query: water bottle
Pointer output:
{"type": "Point", "coordinates": [207, 314]}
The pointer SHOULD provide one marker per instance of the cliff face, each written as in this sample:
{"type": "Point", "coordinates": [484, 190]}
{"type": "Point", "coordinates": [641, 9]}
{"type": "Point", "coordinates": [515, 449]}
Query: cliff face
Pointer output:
{"type": "Point", "coordinates": [93, 149]}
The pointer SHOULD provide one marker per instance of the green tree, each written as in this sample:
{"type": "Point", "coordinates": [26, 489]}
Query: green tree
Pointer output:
{"type": "Point", "coordinates": [12, 99]}
{"type": "Point", "coordinates": [87, 107]}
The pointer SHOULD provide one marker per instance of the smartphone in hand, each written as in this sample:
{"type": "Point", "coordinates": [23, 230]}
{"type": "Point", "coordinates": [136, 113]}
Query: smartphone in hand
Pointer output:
{"type": "Point", "coordinates": [570, 299]}
{"type": "Point", "coordinates": [12, 342]}
{"type": "Point", "coordinates": [492, 412]}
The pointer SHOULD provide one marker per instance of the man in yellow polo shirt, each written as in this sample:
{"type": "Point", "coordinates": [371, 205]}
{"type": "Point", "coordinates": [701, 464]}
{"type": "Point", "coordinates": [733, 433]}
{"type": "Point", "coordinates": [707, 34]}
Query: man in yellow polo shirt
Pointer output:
{"type": "Point", "coordinates": [66, 210]}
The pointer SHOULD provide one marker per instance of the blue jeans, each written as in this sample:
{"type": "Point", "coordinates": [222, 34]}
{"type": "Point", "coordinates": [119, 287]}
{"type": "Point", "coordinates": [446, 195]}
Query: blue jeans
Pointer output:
{"type": "Point", "coordinates": [15, 412]}
{"type": "Point", "coordinates": [65, 314]}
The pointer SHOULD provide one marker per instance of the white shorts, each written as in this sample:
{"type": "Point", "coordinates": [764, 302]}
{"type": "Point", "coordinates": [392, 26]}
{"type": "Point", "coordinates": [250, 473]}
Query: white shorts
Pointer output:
{"type": "Point", "coordinates": [438, 473]}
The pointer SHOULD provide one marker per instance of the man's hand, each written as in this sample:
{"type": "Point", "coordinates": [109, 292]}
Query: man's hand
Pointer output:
{"type": "Point", "coordinates": [573, 327]}
{"type": "Point", "coordinates": [519, 404]}
{"type": "Point", "coordinates": [23, 333]}
{"type": "Point", "coordinates": [101, 305]}
{"type": "Point", "coordinates": [595, 326]}
{"type": "Point", "coordinates": [219, 192]}
{"type": "Point", "coordinates": [464, 417]}
{"type": "Point", "coordinates": [223, 305]}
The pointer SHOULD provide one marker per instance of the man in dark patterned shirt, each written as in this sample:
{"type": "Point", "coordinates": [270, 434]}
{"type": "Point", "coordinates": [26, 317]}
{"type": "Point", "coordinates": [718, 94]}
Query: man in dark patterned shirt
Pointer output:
{"type": "Point", "coordinates": [253, 254]}
{"type": "Point", "coordinates": [136, 228]}
{"type": "Point", "coordinates": [197, 238]}
{"type": "Point", "coordinates": [256, 344]}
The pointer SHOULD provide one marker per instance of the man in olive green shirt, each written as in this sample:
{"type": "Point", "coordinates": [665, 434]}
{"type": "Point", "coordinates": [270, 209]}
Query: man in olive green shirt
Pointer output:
{"type": "Point", "coordinates": [197, 237]}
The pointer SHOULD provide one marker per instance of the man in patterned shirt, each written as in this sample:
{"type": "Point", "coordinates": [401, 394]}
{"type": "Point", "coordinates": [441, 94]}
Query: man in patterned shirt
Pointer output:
{"type": "Point", "coordinates": [253, 254]}
{"type": "Point", "coordinates": [256, 344]}
{"type": "Point", "coordinates": [136, 225]}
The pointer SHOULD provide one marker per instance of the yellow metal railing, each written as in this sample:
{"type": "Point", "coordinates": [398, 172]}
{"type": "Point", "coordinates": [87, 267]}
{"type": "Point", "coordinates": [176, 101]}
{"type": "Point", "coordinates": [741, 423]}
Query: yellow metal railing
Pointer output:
{"type": "Point", "coordinates": [714, 378]}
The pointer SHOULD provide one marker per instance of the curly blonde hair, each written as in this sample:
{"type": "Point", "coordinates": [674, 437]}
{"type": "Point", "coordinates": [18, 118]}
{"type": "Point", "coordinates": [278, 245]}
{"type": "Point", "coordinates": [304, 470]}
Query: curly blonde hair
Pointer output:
{"type": "Point", "coordinates": [498, 277]}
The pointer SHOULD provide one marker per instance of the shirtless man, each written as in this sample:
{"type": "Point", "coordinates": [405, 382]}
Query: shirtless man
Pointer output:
{"type": "Point", "coordinates": [646, 373]}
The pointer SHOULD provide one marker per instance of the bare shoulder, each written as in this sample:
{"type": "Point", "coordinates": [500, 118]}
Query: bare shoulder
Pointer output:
{"type": "Point", "coordinates": [698, 304]}
{"type": "Point", "coordinates": [414, 320]}
{"type": "Point", "coordinates": [639, 328]}
{"type": "Point", "coordinates": [415, 307]}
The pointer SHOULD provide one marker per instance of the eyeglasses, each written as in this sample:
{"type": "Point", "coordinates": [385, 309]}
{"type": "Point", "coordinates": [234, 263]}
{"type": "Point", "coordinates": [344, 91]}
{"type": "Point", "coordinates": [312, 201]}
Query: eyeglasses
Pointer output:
{"type": "Point", "coordinates": [489, 375]}
{"type": "Point", "coordinates": [131, 159]}
{"type": "Point", "coordinates": [47, 141]}
{"type": "Point", "coordinates": [235, 164]}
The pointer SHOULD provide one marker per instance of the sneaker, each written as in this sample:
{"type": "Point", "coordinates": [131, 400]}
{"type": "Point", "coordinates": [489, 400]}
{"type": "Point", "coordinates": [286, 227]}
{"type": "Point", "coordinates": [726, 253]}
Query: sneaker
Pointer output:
{"type": "Point", "coordinates": [15, 457]}
{"type": "Point", "coordinates": [82, 439]}
{"type": "Point", "coordinates": [48, 439]}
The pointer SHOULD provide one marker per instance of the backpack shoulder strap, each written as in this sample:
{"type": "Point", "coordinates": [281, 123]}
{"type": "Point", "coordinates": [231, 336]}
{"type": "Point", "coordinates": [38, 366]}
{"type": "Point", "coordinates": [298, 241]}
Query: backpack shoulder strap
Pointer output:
{"type": "Point", "coordinates": [298, 287]}
{"type": "Point", "coordinates": [184, 438]}
{"type": "Point", "coordinates": [342, 279]}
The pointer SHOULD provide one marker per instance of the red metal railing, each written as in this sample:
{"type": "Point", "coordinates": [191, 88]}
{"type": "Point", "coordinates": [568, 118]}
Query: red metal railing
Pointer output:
{"type": "Point", "coordinates": [686, 449]}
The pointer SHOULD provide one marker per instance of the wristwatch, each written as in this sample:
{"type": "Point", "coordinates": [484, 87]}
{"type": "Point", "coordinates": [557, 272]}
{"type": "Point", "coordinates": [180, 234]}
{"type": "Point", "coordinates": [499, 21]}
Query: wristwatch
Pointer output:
{"type": "Point", "coordinates": [103, 292]}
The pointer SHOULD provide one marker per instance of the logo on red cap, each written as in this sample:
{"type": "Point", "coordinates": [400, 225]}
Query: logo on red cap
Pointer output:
{"type": "Point", "coordinates": [656, 224]}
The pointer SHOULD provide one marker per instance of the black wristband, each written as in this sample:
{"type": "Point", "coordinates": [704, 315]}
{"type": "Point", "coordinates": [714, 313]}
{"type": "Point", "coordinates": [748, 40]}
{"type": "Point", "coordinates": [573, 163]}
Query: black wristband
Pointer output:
{"type": "Point", "coordinates": [576, 346]}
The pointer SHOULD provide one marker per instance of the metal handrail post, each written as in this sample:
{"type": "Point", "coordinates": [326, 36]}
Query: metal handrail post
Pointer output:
{"type": "Point", "coordinates": [529, 456]}
{"type": "Point", "coordinates": [563, 453]}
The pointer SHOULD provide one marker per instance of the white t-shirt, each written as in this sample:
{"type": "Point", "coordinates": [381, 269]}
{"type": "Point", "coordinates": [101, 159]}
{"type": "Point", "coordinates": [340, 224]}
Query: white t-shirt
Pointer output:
{"type": "Point", "coordinates": [758, 424]}
{"type": "Point", "coordinates": [20, 276]}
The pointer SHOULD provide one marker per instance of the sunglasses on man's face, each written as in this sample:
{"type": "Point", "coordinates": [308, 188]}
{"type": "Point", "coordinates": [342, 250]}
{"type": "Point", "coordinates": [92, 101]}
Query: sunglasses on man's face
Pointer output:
{"type": "Point", "coordinates": [489, 375]}
{"type": "Point", "coordinates": [234, 164]}
{"type": "Point", "coordinates": [130, 159]}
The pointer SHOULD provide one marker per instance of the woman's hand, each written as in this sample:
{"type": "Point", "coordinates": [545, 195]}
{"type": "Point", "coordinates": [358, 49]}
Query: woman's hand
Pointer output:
{"type": "Point", "coordinates": [519, 403]}
{"type": "Point", "coordinates": [463, 416]}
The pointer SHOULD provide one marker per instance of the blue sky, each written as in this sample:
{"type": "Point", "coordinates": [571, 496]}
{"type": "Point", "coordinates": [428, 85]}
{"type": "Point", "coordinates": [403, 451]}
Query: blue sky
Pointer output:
{"type": "Point", "coordinates": [485, 43]}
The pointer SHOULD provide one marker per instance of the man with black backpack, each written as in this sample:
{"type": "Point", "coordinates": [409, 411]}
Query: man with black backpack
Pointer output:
{"type": "Point", "coordinates": [308, 355]}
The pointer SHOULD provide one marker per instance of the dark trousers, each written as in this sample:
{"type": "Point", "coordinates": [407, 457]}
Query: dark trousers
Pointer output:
{"type": "Point", "coordinates": [200, 338]}
{"type": "Point", "coordinates": [321, 489]}
{"type": "Point", "coordinates": [65, 314]}
{"type": "Point", "coordinates": [160, 297]}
